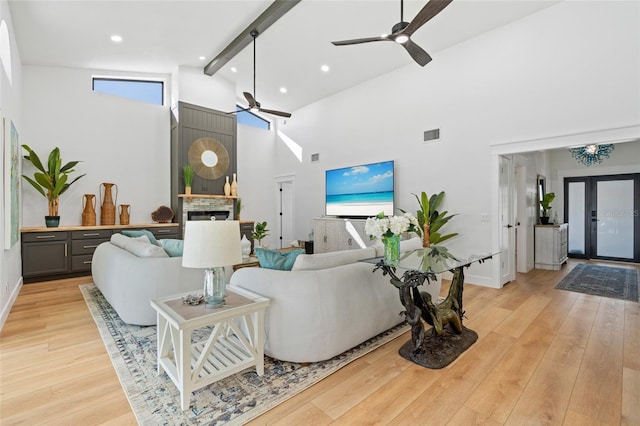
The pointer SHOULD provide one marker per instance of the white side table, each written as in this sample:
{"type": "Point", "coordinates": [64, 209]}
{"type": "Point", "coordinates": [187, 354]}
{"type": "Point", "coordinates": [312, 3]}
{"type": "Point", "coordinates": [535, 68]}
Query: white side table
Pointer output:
{"type": "Point", "coordinates": [226, 351]}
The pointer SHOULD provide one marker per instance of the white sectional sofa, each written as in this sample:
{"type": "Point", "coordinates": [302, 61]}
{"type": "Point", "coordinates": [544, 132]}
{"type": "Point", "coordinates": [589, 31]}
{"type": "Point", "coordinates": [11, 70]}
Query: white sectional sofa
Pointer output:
{"type": "Point", "coordinates": [327, 304]}
{"type": "Point", "coordinates": [129, 282]}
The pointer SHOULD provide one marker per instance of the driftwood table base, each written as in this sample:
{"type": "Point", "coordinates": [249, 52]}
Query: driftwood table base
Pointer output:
{"type": "Point", "coordinates": [439, 351]}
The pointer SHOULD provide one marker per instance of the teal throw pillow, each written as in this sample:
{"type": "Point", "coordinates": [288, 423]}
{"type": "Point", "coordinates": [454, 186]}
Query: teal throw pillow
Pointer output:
{"type": "Point", "coordinates": [138, 233]}
{"type": "Point", "coordinates": [273, 259]}
{"type": "Point", "coordinates": [173, 247]}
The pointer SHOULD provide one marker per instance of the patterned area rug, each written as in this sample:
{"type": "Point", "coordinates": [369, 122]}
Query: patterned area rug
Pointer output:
{"type": "Point", "coordinates": [606, 281]}
{"type": "Point", "coordinates": [235, 400]}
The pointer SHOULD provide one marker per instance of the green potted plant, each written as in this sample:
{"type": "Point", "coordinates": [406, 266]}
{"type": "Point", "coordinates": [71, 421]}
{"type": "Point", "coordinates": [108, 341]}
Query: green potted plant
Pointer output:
{"type": "Point", "coordinates": [51, 182]}
{"type": "Point", "coordinates": [260, 231]}
{"type": "Point", "coordinates": [545, 203]}
{"type": "Point", "coordinates": [187, 174]}
{"type": "Point", "coordinates": [431, 220]}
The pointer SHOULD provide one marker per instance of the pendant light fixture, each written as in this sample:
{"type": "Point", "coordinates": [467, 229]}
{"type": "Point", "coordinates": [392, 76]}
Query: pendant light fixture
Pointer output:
{"type": "Point", "coordinates": [591, 154]}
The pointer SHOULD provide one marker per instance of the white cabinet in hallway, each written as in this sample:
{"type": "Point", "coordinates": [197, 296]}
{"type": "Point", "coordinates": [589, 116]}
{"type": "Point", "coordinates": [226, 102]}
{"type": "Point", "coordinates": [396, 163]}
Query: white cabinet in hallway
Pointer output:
{"type": "Point", "coordinates": [551, 246]}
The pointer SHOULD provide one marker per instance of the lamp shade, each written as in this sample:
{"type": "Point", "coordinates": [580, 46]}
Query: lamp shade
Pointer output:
{"type": "Point", "coordinates": [211, 243]}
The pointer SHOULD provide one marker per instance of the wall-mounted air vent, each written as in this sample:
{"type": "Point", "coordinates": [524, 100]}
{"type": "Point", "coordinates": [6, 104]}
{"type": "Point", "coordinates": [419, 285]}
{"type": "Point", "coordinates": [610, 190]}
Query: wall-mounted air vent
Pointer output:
{"type": "Point", "coordinates": [315, 157]}
{"type": "Point", "coordinates": [430, 135]}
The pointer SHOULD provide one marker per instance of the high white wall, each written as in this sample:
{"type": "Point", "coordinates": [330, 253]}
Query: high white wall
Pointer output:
{"type": "Point", "coordinates": [118, 140]}
{"type": "Point", "coordinates": [570, 68]}
{"type": "Point", "coordinates": [11, 111]}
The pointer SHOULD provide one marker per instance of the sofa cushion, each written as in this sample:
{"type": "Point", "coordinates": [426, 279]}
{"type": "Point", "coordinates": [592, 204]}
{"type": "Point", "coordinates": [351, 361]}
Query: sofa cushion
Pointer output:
{"type": "Point", "coordinates": [274, 259]}
{"type": "Point", "coordinates": [313, 262]}
{"type": "Point", "coordinates": [174, 248]}
{"type": "Point", "coordinates": [138, 233]}
{"type": "Point", "coordinates": [138, 246]}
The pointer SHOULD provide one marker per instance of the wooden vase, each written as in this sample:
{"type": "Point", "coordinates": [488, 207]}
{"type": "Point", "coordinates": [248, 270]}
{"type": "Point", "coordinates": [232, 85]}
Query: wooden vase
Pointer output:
{"type": "Point", "coordinates": [124, 214]}
{"type": "Point", "coordinates": [89, 210]}
{"type": "Point", "coordinates": [108, 204]}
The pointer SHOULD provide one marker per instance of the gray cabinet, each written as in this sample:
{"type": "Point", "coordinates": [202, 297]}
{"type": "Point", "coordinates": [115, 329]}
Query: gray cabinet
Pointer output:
{"type": "Point", "coordinates": [83, 244]}
{"type": "Point", "coordinates": [332, 234]}
{"type": "Point", "coordinates": [45, 253]}
{"type": "Point", "coordinates": [67, 251]}
{"type": "Point", "coordinates": [551, 246]}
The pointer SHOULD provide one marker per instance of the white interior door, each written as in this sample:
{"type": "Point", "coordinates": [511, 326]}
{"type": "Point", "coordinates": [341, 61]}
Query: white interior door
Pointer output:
{"type": "Point", "coordinates": [506, 222]}
{"type": "Point", "coordinates": [285, 188]}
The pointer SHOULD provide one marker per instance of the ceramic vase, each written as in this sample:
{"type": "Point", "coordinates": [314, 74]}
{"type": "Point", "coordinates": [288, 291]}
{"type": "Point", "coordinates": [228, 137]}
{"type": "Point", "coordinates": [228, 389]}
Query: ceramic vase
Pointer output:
{"type": "Point", "coordinates": [245, 244]}
{"type": "Point", "coordinates": [234, 186]}
{"type": "Point", "coordinates": [227, 187]}
{"type": "Point", "coordinates": [89, 210]}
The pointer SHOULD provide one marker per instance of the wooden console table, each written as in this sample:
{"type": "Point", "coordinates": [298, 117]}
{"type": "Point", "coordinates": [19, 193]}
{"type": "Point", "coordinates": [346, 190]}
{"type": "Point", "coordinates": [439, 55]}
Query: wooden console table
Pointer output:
{"type": "Point", "coordinates": [66, 251]}
{"type": "Point", "coordinates": [439, 346]}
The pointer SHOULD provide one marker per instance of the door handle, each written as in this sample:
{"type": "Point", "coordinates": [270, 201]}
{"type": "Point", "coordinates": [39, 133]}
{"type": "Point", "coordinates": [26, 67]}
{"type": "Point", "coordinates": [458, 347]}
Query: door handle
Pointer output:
{"type": "Point", "coordinates": [509, 226]}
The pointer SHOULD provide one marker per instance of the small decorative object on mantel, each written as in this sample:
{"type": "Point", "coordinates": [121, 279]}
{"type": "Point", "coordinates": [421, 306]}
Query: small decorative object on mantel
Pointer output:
{"type": "Point", "coordinates": [388, 230]}
{"type": "Point", "coordinates": [234, 186]}
{"type": "Point", "coordinates": [227, 187]}
{"type": "Point", "coordinates": [162, 214]}
{"type": "Point", "coordinates": [89, 210]}
{"type": "Point", "coordinates": [124, 214]}
{"type": "Point", "coordinates": [187, 172]}
{"type": "Point", "coordinates": [108, 204]}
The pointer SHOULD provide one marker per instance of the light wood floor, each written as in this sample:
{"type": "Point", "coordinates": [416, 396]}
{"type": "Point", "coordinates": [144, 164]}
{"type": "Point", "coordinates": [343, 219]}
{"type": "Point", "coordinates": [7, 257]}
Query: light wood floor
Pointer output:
{"type": "Point", "coordinates": [544, 356]}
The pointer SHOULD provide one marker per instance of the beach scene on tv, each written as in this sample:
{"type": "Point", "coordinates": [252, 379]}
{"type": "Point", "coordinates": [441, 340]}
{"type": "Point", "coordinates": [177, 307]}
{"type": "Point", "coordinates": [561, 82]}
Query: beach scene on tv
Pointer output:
{"type": "Point", "coordinates": [360, 191]}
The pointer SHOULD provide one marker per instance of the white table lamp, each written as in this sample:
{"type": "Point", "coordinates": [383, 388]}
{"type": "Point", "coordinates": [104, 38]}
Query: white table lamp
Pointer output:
{"type": "Point", "coordinates": [212, 245]}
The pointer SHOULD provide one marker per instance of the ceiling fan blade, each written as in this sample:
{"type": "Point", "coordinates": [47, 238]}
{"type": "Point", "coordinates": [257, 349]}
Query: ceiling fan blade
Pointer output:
{"type": "Point", "coordinates": [238, 110]}
{"type": "Point", "coordinates": [252, 101]}
{"type": "Point", "coordinates": [359, 41]}
{"type": "Point", "coordinates": [431, 9]}
{"type": "Point", "coordinates": [417, 53]}
{"type": "Point", "coordinates": [278, 113]}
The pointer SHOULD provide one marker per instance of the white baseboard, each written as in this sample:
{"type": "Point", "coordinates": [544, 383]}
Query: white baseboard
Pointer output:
{"type": "Point", "coordinates": [10, 301]}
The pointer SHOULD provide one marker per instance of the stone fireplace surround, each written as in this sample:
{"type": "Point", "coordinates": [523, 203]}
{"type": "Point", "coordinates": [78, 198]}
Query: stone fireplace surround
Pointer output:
{"type": "Point", "coordinates": [205, 203]}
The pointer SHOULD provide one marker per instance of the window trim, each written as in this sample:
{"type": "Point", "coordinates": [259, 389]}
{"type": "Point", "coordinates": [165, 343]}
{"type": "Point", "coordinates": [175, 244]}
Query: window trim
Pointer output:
{"type": "Point", "coordinates": [160, 81]}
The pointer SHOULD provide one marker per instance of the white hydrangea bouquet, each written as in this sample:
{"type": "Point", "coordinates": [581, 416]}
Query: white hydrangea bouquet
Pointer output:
{"type": "Point", "coordinates": [388, 230]}
{"type": "Point", "coordinates": [382, 226]}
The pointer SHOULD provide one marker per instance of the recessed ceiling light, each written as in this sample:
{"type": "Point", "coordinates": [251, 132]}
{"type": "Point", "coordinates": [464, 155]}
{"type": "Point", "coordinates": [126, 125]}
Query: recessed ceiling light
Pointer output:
{"type": "Point", "coordinates": [116, 38]}
{"type": "Point", "coordinates": [234, 69]}
{"type": "Point", "coordinates": [325, 68]}
{"type": "Point", "coordinates": [202, 58]}
{"type": "Point", "coordinates": [283, 90]}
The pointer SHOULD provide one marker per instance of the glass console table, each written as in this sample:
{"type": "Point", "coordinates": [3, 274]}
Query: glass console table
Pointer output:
{"type": "Point", "coordinates": [448, 337]}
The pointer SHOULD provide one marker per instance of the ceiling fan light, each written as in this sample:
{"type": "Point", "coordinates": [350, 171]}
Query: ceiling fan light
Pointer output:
{"type": "Point", "coordinates": [401, 38]}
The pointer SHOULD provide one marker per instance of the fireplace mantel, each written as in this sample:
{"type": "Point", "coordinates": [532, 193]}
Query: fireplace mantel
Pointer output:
{"type": "Point", "coordinates": [229, 197]}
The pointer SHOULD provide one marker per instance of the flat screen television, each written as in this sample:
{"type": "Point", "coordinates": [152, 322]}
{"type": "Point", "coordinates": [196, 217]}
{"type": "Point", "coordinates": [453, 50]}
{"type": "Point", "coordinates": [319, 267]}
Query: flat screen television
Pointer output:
{"type": "Point", "coordinates": [359, 191]}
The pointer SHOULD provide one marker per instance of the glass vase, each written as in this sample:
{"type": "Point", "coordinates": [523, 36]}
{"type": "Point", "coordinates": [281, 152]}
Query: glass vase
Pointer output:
{"type": "Point", "coordinates": [391, 249]}
{"type": "Point", "coordinates": [214, 287]}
